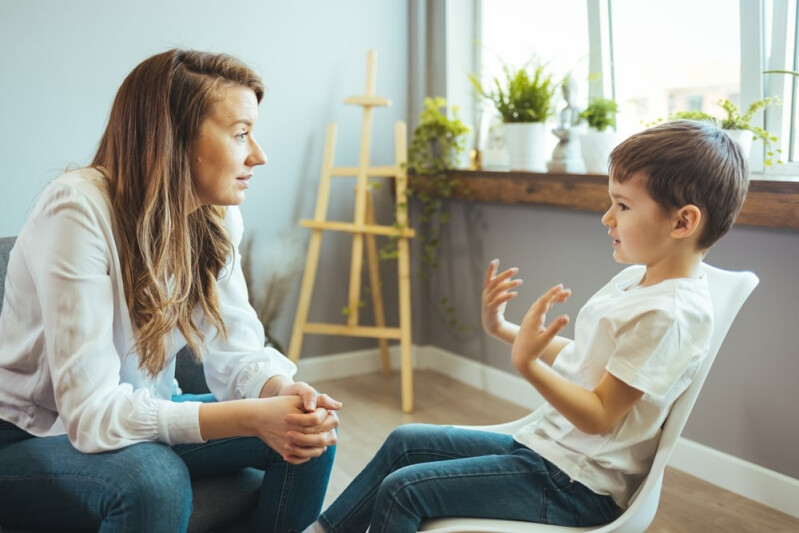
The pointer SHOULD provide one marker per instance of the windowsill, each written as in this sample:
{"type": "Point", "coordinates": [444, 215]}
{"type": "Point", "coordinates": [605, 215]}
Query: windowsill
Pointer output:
{"type": "Point", "coordinates": [770, 202]}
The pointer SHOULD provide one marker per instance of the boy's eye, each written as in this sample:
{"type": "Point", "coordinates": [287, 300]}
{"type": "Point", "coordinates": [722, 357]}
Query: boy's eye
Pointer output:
{"type": "Point", "coordinates": [623, 207]}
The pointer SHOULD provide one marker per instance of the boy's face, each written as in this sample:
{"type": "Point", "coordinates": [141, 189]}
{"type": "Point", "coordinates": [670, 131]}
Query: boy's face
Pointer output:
{"type": "Point", "coordinates": [639, 226]}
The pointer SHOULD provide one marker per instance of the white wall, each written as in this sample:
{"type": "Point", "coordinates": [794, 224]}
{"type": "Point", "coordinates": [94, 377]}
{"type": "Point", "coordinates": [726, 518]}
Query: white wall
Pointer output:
{"type": "Point", "coordinates": [62, 62]}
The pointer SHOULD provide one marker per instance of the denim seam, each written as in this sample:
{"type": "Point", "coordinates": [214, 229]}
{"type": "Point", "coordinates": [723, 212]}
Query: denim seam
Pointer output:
{"type": "Point", "coordinates": [281, 511]}
{"type": "Point", "coordinates": [189, 448]}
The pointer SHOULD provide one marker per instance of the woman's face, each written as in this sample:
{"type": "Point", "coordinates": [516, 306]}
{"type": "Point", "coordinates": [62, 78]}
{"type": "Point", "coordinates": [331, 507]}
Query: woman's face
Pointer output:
{"type": "Point", "coordinates": [225, 152]}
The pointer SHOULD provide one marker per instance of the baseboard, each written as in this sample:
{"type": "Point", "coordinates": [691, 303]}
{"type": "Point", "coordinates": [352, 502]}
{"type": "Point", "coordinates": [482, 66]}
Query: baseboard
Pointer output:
{"type": "Point", "coordinates": [346, 365]}
{"type": "Point", "coordinates": [752, 481]}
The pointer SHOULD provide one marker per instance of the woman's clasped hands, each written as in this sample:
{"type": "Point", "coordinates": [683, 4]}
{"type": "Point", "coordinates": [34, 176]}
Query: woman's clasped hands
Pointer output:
{"type": "Point", "coordinates": [299, 423]}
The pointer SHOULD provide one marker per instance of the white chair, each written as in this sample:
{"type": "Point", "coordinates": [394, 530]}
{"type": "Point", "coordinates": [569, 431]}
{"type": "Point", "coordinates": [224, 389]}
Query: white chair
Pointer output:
{"type": "Point", "coordinates": [729, 291]}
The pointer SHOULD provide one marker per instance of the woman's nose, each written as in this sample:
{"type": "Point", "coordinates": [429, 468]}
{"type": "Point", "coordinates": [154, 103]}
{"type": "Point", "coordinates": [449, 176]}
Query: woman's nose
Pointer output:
{"type": "Point", "coordinates": [257, 155]}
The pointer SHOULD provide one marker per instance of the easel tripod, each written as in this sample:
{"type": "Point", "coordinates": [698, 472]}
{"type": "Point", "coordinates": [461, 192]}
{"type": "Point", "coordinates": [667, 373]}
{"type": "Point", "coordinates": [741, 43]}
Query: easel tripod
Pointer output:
{"type": "Point", "coordinates": [364, 231]}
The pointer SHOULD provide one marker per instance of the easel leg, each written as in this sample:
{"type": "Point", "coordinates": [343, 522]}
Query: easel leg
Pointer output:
{"type": "Point", "coordinates": [406, 356]}
{"type": "Point", "coordinates": [306, 290]}
{"type": "Point", "coordinates": [376, 285]}
{"type": "Point", "coordinates": [314, 247]}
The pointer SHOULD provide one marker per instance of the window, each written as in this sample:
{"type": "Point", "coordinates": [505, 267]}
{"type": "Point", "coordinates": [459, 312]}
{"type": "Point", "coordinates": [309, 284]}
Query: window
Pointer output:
{"type": "Point", "coordinates": [673, 55]}
{"type": "Point", "coordinates": [516, 32]}
{"type": "Point", "coordinates": [782, 54]}
{"type": "Point", "coordinates": [660, 56]}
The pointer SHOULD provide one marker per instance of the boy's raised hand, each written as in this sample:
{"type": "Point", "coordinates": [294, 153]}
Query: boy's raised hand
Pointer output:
{"type": "Point", "coordinates": [534, 336]}
{"type": "Point", "coordinates": [497, 291]}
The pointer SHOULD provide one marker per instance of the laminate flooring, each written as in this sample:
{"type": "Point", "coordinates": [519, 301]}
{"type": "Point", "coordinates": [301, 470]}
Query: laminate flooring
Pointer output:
{"type": "Point", "coordinates": [372, 409]}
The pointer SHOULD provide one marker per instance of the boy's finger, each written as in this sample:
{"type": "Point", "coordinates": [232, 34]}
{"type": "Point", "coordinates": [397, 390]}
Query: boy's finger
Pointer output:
{"type": "Point", "coordinates": [492, 269]}
{"type": "Point", "coordinates": [508, 273]}
{"type": "Point", "coordinates": [555, 327]}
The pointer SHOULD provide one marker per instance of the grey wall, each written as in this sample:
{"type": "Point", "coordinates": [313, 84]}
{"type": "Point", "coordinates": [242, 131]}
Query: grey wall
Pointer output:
{"type": "Point", "coordinates": [62, 62]}
{"type": "Point", "coordinates": [748, 405]}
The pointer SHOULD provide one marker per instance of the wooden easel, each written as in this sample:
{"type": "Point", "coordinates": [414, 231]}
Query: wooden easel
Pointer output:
{"type": "Point", "coordinates": [363, 228]}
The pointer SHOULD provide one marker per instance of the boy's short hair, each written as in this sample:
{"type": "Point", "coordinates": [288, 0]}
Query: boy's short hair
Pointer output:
{"type": "Point", "coordinates": [687, 162]}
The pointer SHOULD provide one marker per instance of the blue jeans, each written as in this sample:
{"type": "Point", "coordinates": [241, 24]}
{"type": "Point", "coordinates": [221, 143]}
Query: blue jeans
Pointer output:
{"type": "Point", "coordinates": [46, 483]}
{"type": "Point", "coordinates": [424, 471]}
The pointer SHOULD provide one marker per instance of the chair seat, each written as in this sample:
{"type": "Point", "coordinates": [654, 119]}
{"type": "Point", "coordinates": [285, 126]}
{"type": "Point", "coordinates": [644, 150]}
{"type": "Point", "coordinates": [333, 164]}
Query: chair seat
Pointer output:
{"type": "Point", "coordinates": [225, 501]}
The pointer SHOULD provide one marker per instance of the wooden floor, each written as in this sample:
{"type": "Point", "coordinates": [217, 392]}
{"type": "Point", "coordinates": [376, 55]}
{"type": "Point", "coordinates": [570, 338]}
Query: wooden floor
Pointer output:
{"type": "Point", "coordinates": [372, 409]}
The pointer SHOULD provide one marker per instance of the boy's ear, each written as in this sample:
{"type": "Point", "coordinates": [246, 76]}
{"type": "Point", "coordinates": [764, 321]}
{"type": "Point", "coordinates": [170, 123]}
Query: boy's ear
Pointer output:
{"type": "Point", "coordinates": [686, 221]}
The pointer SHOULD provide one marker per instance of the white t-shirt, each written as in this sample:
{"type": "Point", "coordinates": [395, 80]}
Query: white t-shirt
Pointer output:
{"type": "Point", "coordinates": [67, 352]}
{"type": "Point", "coordinates": [652, 338]}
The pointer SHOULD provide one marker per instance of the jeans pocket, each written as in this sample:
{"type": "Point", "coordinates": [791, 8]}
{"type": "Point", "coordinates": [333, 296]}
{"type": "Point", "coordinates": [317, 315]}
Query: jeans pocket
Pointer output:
{"type": "Point", "coordinates": [560, 479]}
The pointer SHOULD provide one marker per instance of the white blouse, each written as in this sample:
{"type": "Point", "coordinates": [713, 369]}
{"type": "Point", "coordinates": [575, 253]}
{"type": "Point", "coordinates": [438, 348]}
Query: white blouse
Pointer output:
{"type": "Point", "coordinates": [67, 352]}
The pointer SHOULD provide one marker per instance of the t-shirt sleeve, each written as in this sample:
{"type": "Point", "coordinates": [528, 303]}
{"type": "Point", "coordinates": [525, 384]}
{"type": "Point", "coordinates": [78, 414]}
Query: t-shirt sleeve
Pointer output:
{"type": "Point", "coordinates": [653, 352]}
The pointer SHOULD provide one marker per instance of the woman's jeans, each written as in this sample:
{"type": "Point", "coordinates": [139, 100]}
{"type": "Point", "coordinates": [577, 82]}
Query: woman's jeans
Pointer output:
{"type": "Point", "coordinates": [46, 483]}
{"type": "Point", "coordinates": [424, 471]}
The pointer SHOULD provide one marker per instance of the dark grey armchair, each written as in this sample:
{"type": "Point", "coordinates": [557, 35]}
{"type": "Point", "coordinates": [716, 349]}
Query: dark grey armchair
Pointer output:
{"type": "Point", "coordinates": [221, 504]}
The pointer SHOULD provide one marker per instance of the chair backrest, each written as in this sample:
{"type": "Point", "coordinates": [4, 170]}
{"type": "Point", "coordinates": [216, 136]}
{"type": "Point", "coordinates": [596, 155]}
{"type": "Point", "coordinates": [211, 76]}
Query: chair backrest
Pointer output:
{"type": "Point", "coordinates": [728, 291]}
{"type": "Point", "coordinates": [6, 243]}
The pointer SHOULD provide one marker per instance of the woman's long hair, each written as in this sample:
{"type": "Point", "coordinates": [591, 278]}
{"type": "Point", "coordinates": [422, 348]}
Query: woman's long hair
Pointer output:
{"type": "Point", "coordinates": [171, 252]}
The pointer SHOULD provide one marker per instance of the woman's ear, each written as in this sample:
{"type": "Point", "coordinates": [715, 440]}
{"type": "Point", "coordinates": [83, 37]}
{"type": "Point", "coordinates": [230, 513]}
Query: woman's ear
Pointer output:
{"type": "Point", "coordinates": [686, 222]}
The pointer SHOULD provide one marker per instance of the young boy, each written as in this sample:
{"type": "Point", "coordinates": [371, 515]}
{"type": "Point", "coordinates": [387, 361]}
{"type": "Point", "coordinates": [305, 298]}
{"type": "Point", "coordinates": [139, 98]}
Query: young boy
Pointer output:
{"type": "Point", "coordinates": [675, 189]}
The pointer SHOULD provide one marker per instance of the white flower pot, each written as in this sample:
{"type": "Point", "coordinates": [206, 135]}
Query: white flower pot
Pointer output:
{"type": "Point", "coordinates": [744, 139]}
{"type": "Point", "coordinates": [526, 143]}
{"type": "Point", "coordinates": [596, 147]}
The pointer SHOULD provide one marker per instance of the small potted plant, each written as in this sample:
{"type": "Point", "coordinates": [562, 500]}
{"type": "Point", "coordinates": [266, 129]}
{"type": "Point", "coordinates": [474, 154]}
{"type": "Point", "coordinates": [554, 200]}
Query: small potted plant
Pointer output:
{"type": "Point", "coordinates": [436, 143]}
{"type": "Point", "coordinates": [601, 137]}
{"type": "Point", "coordinates": [739, 125]}
{"type": "Point", "coordinates": [524, 98]}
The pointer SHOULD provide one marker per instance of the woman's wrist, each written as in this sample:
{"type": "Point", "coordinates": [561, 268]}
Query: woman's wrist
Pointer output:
{"type": "Point", "coordinates": [234, 418]}
{"type": "Point", "coordinates": [274, 385]}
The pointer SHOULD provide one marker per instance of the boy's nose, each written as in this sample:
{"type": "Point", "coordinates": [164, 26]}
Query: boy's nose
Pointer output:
{"type": "Point", "coordinates": [607, 218]}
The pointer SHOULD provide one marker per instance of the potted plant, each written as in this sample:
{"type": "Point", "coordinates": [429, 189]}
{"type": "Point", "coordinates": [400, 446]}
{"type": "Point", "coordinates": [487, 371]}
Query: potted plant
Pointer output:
{"type": "Point", "coordinates": [739, 125]}
{"type": "Point", "coordinates": [435, 145]}
{"type": "Point", "coordinates": [601, 137]}
{"type": "Point", "coordinates": [524, 98]}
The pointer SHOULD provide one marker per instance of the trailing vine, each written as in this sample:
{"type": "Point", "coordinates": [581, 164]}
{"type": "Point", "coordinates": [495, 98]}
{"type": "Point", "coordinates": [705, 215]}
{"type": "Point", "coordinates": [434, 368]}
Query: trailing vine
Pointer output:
{"type": "Point", "coordinates": [436, 143]}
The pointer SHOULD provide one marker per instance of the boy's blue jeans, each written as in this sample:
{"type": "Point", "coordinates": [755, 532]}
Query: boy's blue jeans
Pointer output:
{"type": "Point", "coordinates": [46, 483]}
{"type": "Point", "coordinates": [425, 471]}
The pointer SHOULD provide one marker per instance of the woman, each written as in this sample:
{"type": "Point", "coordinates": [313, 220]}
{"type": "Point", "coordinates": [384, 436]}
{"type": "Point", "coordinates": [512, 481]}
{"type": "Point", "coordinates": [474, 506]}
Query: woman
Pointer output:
{"type": "Point", "coordinates": [119, 266]}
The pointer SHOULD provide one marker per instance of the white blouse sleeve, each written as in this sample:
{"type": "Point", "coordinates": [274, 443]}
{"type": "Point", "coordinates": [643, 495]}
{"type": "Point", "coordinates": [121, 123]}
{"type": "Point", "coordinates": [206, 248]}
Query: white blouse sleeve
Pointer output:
{"type": "Point", "coordinates": [69, 259]}
{"type": "Point", "coordinates": [238, 367]}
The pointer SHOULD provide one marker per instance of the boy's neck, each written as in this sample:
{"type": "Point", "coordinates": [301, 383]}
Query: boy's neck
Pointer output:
{"type": "Point", "coordinates": [685, 265]}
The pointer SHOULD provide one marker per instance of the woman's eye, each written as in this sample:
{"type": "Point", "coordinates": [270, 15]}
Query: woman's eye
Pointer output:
{"type": "Point", "coordinates": [242, 136]}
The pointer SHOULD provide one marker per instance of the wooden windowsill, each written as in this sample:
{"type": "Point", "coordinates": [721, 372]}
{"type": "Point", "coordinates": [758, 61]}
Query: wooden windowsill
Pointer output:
{"type": "Point", "coordinates": [772, 203]}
